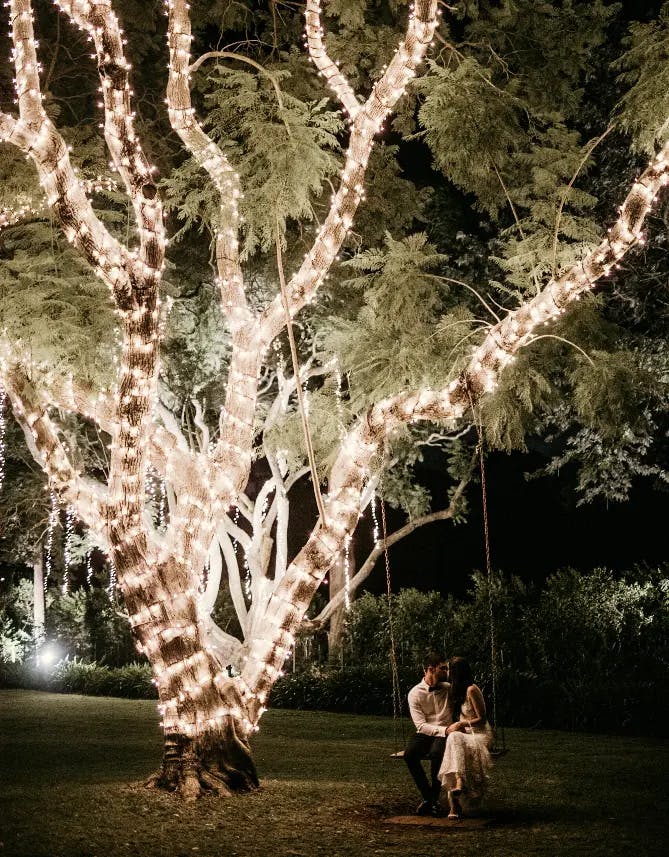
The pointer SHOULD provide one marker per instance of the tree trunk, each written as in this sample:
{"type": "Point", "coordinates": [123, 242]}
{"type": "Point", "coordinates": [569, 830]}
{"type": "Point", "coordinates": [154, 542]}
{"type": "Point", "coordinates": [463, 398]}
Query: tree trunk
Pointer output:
{"type": "Point", "coordinates": [39, 606]}
{"type": "Point", "coordinates": [217, 760]}
{"type": "Point", "coordinates": [337, 578]}
{"type": "Point", "coordinates": [205, 715]}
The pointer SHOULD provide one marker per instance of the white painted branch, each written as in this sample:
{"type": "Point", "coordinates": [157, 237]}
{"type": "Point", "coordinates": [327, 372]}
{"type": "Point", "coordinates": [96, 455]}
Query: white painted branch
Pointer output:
{"type": "Point", "coordinates": [368, 120]}
{"type": "Point", "coordinates": [226, 647]}
{"type": "Point", "coordinates": [202, 426]}
{"type": "Point", "coordinates": [172, 425]}
{"type": "Point", "coordinates": [208, 597]}
{"type": "Point", "coordinates": [234, 578]}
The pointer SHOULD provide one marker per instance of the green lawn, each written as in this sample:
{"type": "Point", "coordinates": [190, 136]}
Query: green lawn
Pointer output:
{"type": "Point", "coordinates": [71, 769]}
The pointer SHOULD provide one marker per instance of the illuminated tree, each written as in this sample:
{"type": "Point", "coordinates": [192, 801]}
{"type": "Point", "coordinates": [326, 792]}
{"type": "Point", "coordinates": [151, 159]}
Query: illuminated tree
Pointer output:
{"type": "Point", "coordinates": [209, 714]}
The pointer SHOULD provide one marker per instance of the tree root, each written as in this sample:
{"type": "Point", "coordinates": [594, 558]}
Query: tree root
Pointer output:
{"type": "Point", "coordinates": [191, 779]}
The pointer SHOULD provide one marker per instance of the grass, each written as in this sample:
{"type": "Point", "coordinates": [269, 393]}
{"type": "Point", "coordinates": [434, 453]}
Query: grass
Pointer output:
{"type": "Point", "coordinates": [71, 769]}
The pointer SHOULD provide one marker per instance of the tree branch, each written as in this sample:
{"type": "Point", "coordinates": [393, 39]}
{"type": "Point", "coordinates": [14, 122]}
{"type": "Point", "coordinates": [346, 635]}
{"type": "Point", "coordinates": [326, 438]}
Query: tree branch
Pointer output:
{"type": "Point", "coordinates": [97, 18]}
{"type": "Point", "coordinates": [368, 565]}
{"type": "Point", "coordinates": [368, 119]}
{"type": "Point", "coordinates": [326, 67]}
{"type": "Point", "coordinates": [211, 159]}
{"type": "Point", "coordinates": [87, 496]}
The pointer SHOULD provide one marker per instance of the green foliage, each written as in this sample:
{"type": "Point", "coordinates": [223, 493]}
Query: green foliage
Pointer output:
{"type": "Point", "coordinates": [644, 68]}
{"type": "Point", "coordinates": [472, 126]}
{"type": "Point", "coordinates": [362, 36]}
{"type": "Point", "coordinates": [510, 413]}
{"type": "Point", "coordinates": [284, 154]}
{"type": "Point", "coordinates": [84, 623]}
{"type": "Point", "coordinates": [389, 199]}
{"type": "Point", "coordinates": [50, 305]}
{"type": "Point", "coordinates": [585, 651]}
{"type": "Point", "coordinates": [355, 689]}
{"type": "Point", "coordinates": [390, 346]}
{"type": "Point", "coordinates": [418, 621]}
{"type": "Point", "coordinates": [196, 348]}
{"type": "Point", "coordinates": [547, 47]}
{"type": "Point", "coordinates": [553, 228]}
{"type": "Point", "coordinates": [611, 391]}
{"type": "Point", "coordinates": [24, 504]}
{"type": "Point", "coordinates": [50, 302]}
{"type": "Point", "coordinates": [14, 642]}
{"type": "Point", "coordinates": [132, 681]}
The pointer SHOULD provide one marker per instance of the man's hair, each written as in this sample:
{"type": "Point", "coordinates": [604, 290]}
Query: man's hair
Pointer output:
{"type": "Point", "coordinates": [433, 659]}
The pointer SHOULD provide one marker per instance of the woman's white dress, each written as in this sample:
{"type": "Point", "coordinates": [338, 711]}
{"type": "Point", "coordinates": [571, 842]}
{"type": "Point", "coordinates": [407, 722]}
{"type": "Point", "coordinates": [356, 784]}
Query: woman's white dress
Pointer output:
{"type": "Point", "coordinates": [467, 755]}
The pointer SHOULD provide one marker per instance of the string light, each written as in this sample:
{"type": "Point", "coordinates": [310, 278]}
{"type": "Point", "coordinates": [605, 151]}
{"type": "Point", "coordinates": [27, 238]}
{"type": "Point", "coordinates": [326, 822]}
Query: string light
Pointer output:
{"type": "Point", "coordinates": [67, 548]}
{"type": "Point", "coordinates": [51, 529]}
{"type": "Point", "coordinates": [3, 425]}
{"type": "Point", "coordinates": [375, 521]}
{"type": "Point", "coordinates": [111, 587]}
{"type": "Point", "coordinates": [347, 571]}
{"type": "Point", "coordinates": [162, 505]}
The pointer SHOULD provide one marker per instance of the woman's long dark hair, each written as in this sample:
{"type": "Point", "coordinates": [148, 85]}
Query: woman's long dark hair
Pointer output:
{"type": "Point", "coordinates": [461, 677]}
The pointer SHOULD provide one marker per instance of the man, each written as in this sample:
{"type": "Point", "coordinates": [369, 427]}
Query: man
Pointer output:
{"type": "Point", "coordinates": [430, 712]}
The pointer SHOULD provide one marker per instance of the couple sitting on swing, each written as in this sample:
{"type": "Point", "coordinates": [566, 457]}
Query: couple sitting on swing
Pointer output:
{"type": "Point", "coordinates": [452, 730]}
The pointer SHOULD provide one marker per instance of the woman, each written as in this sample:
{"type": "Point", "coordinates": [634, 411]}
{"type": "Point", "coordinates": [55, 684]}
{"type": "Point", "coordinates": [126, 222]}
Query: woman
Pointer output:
{"type": "Point", "coordinates": [467, 760]}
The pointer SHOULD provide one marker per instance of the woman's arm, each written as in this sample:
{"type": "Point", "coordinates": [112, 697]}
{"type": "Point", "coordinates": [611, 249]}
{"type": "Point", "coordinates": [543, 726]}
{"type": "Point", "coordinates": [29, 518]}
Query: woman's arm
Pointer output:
{"type": "Point", "coordinates": [477, 702]}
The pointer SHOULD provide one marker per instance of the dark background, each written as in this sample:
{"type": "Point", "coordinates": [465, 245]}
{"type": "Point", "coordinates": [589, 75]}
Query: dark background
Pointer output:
{"type": "Point", "coordinates": [535, 527]}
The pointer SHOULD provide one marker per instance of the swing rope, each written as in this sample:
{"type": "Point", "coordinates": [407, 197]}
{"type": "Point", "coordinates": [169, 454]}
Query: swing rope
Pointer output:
{"type": "Point", "coordinates": [491, 614]}
{"type": "Point", "coordinates": [298, 384]}
{"type": "Point", "coordinates": [478, 423]}
{"type": "Point", "coordinates": [397, 693]}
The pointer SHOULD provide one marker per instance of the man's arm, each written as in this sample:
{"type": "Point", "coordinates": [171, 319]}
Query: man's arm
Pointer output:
{"type": "Point", "coordinates": [418, 717]}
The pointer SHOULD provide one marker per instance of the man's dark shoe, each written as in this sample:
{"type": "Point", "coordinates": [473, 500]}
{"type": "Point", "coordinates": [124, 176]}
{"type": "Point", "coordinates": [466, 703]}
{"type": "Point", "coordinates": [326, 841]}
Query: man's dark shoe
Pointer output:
{"type": "Point", "coordinates": [425, 807]}
{"type": "Point", "coordinates": [428, 807]}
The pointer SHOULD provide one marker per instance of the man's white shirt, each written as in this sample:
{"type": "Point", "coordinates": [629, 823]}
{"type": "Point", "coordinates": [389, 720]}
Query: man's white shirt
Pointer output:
{"type": "Point", "coordinates": [429, 710]}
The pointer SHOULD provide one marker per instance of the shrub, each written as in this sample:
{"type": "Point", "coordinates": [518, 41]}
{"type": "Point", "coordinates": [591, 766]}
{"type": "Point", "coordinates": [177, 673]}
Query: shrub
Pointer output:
{"type": "Point", "coordinates": [132, 681]}
{"type": "Point", "coordinates": [359, 690]}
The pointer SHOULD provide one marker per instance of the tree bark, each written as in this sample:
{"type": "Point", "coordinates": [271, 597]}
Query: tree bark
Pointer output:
{"type": "Point", "coordinates": [217, 760]}
{"type": "Point", "coordinates": [204, 710]}
{"type": "Point", "coordinates": [39, 606]}
{"type": "Point", "coordinates": [337, 583]}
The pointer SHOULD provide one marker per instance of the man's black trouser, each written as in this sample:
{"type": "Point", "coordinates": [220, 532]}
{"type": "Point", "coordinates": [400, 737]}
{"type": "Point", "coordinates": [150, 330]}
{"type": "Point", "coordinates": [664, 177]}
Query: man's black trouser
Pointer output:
{"type": "Point", "coordinates": [418, 747]}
